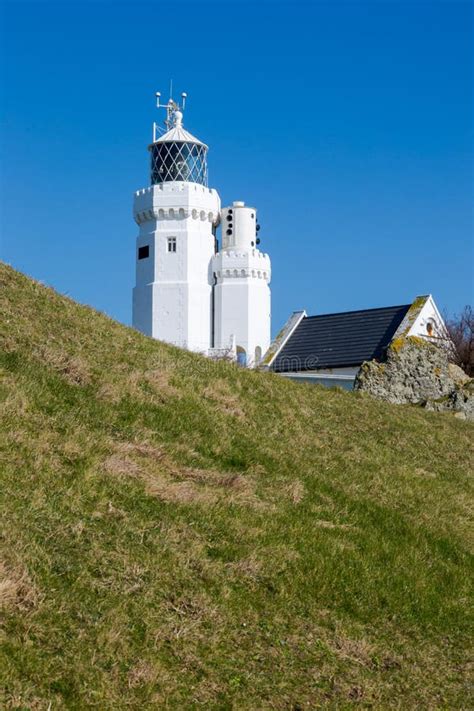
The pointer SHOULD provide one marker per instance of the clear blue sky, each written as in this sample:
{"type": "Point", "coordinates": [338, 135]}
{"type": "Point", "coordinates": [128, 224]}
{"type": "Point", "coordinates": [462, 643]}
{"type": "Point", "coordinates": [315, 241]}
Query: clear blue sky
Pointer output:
{"type": "Point", "coordinates": [347, 124]}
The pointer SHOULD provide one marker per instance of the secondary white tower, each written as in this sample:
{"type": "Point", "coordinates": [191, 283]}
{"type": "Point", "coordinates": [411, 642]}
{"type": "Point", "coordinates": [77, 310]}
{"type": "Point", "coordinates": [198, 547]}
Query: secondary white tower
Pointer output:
{"type": "Point", "coordinates": [242, 294]}
{"type": "Point", "coordinates": [187, 292]}
{"type": "Point", "coordinates": [177, 217]}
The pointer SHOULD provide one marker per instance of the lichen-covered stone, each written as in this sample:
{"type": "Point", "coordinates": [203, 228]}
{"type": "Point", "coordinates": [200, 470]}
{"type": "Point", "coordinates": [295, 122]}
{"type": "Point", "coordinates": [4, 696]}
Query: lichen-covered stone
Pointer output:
{"type": "Point", "coordinates": [458, 374]}
{"type": "Point", "coordinates": [415, 370]}
{"type": "Point", "coordinates": [459, 401]}
{"type": "Point", "coordinates": [418, 372]}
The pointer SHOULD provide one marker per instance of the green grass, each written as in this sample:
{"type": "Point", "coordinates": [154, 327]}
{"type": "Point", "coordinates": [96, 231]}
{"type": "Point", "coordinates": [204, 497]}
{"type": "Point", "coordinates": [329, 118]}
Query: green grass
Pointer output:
{"type": "Point", "coordinates": [181, 534]}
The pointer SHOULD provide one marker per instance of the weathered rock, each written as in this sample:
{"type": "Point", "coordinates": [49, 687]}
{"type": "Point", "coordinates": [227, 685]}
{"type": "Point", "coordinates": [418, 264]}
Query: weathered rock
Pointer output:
{"type": "Point", "coordinates": [417, 371]}
{"type": "Point", "coordinates": [460, 401]}
{"type": "Point", "coordinates": [414, 371]}
{"type": "Point", "coordinates": [458, 374]}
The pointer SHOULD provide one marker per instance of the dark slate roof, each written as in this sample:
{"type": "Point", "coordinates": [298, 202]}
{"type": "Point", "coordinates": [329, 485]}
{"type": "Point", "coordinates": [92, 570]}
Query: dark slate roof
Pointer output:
{"type": "Point", "coordinates": [339, 340]}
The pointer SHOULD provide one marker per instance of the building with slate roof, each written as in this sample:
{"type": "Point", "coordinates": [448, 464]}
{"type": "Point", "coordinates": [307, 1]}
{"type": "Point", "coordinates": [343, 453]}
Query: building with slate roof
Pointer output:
{"type": "Point", "coordinates": [330, 348]}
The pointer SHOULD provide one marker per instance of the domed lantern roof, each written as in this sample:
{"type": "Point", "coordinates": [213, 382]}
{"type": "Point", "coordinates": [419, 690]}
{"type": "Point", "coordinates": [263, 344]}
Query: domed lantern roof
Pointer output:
{"type": "Point", "coordinates": [177, 155]}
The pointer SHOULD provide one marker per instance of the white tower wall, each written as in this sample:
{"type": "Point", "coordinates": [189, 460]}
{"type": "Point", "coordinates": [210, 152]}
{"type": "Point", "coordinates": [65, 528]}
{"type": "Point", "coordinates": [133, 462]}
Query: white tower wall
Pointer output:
{"type": "Point", "coordinates": [242, 293]}
{"type": "Point", "coordinates": [172, 296]}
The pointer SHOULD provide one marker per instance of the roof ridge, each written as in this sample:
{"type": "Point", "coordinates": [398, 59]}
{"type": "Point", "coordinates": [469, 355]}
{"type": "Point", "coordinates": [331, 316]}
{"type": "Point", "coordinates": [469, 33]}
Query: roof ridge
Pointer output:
{"type": "Point", "coordinates": [360, 311]}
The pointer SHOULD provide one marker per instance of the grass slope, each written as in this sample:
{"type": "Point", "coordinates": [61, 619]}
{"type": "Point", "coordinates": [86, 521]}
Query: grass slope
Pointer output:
{"type": "Point", "coordinates": [183, 534]}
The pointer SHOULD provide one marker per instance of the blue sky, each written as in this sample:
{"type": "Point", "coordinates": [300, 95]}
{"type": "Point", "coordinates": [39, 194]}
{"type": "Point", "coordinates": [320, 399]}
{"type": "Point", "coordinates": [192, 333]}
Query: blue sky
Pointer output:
{"type": "Point", "coordinates": [347, 124]}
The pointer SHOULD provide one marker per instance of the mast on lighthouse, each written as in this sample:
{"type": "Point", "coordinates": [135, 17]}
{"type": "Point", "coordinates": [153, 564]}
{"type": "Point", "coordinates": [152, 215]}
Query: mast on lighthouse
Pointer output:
{"type": "Point", "coordinates": [177, 155]}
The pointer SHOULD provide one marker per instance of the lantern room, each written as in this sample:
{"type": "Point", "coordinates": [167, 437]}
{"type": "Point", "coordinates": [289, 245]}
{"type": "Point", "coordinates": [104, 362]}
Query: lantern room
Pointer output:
{"type": "Point", "coordinates": [177, 155]}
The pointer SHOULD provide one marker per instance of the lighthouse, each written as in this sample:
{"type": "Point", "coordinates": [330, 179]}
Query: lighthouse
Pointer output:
{"type": "Point", "coordinates": [190, 290]}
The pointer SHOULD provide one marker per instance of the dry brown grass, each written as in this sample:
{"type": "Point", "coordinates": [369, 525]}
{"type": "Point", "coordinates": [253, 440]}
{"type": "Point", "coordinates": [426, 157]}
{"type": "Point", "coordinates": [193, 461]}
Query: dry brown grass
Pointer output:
{"type": "Point", "coordinates": [224, 399]}
{"type": "Point", "coordinates": [141, 385]}
{"type": "Point", "coordinates": [248, 568]}
{"type": "Point", "coordinates": [73, 368]}
{"type": "Point", "coordinates": [296, 491]}
{"type": "Point", "coordinates": [31, 703]}
{"type": "Point", "coordinates": [331, 524]}
{"type": "Point", "coordinates": [16, 588]}
{"type": "Point", "coordinates": [119, 465]}
{"type": "Point", "coordinates": [142, 674]}
{"type": "Point", "coordinates": [356, 651]}
{"type": "Point", "coordinates": [173, 483]}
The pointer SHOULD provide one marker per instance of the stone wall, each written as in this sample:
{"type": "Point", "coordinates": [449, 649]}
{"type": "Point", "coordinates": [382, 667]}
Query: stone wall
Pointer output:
{"type": "Point", "coordinates": [418, 372]}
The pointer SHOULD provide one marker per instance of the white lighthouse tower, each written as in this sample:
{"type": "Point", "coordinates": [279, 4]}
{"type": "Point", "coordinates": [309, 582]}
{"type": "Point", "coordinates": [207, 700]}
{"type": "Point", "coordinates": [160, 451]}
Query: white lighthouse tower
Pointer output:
{"type": "Point", "coordinates": [189, 292]}
{"type": "Point", "coordinates": [177, 215]}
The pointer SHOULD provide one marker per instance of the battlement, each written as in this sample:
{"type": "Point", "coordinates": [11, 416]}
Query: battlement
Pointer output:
{"type": "Point", "coordinates": [251, 264]}
{"type": "Point", "coordinates": [172, 201]}
{"type": "Point", "coordinates": [176, 187]}
{"type": "Point", "coordinates": [234, 254]}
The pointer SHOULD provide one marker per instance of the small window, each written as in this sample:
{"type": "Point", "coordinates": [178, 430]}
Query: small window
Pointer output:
{"type": "Point", "coordinates": [171, 244]}
{"type": "Point", "coordinates": [228, 232]}
{"type": "Point", "coordinates": [143, 252]}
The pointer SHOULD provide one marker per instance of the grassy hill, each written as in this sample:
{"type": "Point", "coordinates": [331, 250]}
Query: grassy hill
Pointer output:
{"type": "Point", "coordinates": [181, 534]}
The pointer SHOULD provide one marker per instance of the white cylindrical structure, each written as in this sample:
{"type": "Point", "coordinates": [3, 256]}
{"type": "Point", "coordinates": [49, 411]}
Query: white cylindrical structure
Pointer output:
{"type": "Point", "coordinates": [241, 294]}
{"type": "Point", "coordinates": [239, 226]}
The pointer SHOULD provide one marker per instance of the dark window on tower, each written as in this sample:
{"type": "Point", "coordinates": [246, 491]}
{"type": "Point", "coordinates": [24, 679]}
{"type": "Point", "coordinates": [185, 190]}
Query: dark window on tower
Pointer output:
{"type": "Point", "coordinates": [171, 244]}
{"type": "Point", "coordinates": [143, 252]}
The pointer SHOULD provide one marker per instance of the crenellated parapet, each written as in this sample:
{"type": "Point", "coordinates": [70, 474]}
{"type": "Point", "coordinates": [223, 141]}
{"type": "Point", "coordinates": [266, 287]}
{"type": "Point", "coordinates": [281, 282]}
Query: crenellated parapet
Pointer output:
{"type": "Point", "coordinates": [176, 201]}
{"type": "Point", "coordinates": [242, 264]}
{"type": "Point", "coordinates": [176, 214]}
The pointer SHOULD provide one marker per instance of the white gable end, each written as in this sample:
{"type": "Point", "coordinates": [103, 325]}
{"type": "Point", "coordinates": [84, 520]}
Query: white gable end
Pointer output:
{"type": "Point", "coordinates": [429, 323]}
